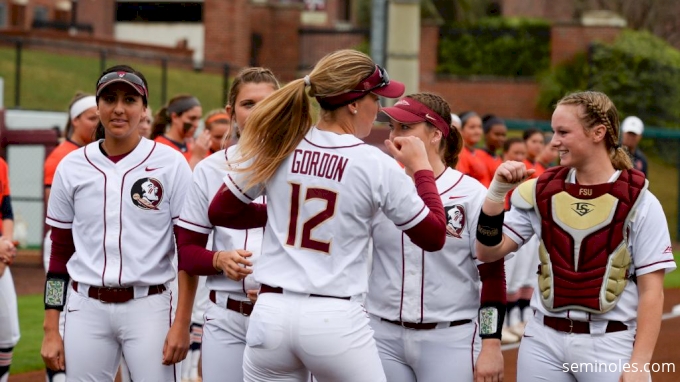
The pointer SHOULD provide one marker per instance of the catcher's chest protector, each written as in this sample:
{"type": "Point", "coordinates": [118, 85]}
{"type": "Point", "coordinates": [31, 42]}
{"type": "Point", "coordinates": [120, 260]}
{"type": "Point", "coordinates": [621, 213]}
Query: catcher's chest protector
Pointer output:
{"type": "Point", "coordinates": [584, 257]}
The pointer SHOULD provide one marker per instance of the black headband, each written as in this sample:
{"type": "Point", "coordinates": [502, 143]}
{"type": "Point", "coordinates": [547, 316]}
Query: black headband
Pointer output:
{"type": "Point", "coordinates": [182, 105]}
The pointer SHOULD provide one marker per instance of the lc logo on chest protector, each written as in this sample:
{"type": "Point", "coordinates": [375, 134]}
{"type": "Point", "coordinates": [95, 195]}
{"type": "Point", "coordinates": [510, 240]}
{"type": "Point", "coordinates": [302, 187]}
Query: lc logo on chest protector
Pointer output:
{"type": "Point", "coordinates": [455, 220]}
{"type": "Point", "coordinates": [147, 193]}
{"type": "Point", "coordinates": [582, 208]}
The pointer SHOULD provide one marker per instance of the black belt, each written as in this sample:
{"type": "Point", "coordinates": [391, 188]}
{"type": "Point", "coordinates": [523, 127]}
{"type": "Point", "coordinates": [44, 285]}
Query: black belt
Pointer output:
{"type": "Point", "coordinates": [425, 326]}
{"type": "Point", "coordinates": [117, 295]}
{"type": "Point", "coordinates": [264, 288]}
{"type": "Point", "coordinates": [243, 307]}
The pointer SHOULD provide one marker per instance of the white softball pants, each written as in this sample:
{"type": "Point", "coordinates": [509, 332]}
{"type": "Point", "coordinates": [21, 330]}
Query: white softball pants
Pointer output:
{"type": "Point", "coordinates": [427, 355]}
{"type": "Point", "coordinates": [96, 334]}
{"type": "Point", "coordinates": [549, 355]}
{"type": "Point", "coordinates": [290, 334]}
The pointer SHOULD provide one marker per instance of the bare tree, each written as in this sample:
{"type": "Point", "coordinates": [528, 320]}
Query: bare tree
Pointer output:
{"type": "Point", "coordinates": [656, 16]}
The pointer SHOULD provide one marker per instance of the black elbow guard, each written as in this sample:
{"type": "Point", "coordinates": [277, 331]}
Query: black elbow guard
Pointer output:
{"type": "Point", "coordinates": [56, 286]}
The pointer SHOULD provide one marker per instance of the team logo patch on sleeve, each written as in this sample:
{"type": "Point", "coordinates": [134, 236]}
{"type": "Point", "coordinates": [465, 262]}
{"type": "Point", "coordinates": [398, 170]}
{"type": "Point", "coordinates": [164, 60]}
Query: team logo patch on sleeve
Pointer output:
{"type": "Point", "coordinates": [147, 193]}
{"type": "Point", "coordinates": [455, 220]}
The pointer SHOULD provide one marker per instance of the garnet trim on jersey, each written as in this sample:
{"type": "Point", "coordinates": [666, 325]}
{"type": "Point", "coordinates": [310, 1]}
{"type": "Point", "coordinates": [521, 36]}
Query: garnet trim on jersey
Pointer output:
{"type": "Point", "coordinates": [578, 278]}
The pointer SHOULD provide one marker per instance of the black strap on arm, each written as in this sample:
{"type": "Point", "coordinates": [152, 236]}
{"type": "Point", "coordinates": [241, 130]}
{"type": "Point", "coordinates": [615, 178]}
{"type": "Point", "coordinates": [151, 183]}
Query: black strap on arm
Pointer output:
{"type": "Point", "coordinates": [56, 285]}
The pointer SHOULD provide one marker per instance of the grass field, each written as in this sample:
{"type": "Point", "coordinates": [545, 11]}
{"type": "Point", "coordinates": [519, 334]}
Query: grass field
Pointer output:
{"type": "Point", "coordinates": [48, 80]}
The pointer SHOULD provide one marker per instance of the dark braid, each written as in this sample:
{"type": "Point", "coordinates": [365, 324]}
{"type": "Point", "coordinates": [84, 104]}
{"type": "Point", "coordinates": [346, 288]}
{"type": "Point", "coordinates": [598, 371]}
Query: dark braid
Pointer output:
{"type": "Point", "coordinates": [598, 109]}
{"type": "Point", "coordinates": [450, 147]}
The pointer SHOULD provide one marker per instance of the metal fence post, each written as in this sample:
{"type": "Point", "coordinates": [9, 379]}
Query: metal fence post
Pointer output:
{"type": "Point", "coordinates": [17, 75]}
{"type": "Point", "coordinates": [102, 60]}
{"type": "Point", "coordinates": [164, 80]}
{"type": "Point", "coordinates": [225, 84]}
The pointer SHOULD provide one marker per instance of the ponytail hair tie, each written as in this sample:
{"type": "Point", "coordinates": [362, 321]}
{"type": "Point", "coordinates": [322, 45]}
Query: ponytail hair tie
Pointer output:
{"type": "Point", "coordinates": [308, 82]}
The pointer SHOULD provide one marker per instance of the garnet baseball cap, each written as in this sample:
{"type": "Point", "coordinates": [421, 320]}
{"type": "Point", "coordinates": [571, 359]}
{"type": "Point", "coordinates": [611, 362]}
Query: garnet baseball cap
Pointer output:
{"type": "Point", "coordinates": [378, 82]}
{"type": "Point", "coordinates": [633, 125]}
{"type": "Point", "coordinates": [408, 111]}
{"type": "Point", "coordinates": [129, 78]}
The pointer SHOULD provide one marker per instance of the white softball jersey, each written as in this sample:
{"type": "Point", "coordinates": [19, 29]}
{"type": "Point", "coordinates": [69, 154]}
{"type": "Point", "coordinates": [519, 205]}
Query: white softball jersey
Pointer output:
{"type": "Point", "coordinates": [120, 213]}
{"type": "Point", "coordinates": [320, 204]}
{"type": "Point", "coordinates": [411, 285]}
{"type": "Point", "coordinates": [649, 245]}
{"type": "Point", "coordinates": [207, 180]}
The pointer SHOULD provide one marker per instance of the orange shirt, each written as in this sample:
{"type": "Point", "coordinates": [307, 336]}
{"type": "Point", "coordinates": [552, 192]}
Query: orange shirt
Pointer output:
{"type": "Point", "coordinates": [470, 163]}
{"type": "Point", "coordinates": [4, 183]}
{"type": "Point", "coordinates": [185, 150]}
{"type": "Point", "coordinates": [55, 157]}
{"type": "Point", "coordinates": [491, 161]}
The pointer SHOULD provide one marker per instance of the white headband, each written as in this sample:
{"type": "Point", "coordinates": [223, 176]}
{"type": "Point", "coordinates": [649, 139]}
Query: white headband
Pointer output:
{"type": "Point", "coordinates": [81, 105]}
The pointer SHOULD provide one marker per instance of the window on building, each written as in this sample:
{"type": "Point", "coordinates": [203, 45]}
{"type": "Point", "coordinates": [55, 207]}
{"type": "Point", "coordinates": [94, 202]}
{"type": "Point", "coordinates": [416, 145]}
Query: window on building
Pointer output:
{"type": "Point", "coordinates": [159, 11]}
{"type": "Point", "coordinates": [41, 13]}
{"type": "Point", "coordinates": [17, 15]}
{"type": "Point", "coordinates": [345, 10]}
{"type": "Point", "coordinates": [3, 15]}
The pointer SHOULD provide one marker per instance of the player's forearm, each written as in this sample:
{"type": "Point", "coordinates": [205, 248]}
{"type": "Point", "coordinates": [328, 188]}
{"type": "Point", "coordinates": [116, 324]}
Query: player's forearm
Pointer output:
{"type": "Point", "coordinates": [194, 258]}
{"type": "Point", "coordinates": [185, 301]}
{"type": "Point", "coordinates": [51, 322]}
{"type": "Point", "coordinates": [8, 229]}
{"type": "Point", "coordinates": [650, 309]}
{"type": "Point", "coordinates": [226, 210]}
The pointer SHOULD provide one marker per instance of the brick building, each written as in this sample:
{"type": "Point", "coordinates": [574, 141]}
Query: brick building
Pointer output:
{"type": "Point", "coordinates": [241, 32]}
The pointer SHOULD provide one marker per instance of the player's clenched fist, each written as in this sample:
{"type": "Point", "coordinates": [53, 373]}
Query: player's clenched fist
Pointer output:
{"type": "Point", "coordinates": [508, 175]}
{"type": "Point", "coordinates": [409, 151]}
{"type": "Point", "coordinates": [52, 351]}
{"type": "Point", "coordinates": [234, 263]}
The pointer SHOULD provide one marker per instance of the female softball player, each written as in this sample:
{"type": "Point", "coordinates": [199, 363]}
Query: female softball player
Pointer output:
{"type": "Point", "coordinates": [604, 249]}
{"type": "Point", "coordinates": [218, 123]}
{"type": "Point", "coordinates": [323, 187]}
{"type": "Point", "coordinates": [226, 319]}
{"type": "Point", "coordinates": [9, 316]}
{"type": "Point", "coordinates": [423, 331]}
{"type": "Point", "coordinates": [79, 131]}
{"type": "Point", "coordinates": [112, 208]}
{"type": "Point", "coordinates": [175, 125]}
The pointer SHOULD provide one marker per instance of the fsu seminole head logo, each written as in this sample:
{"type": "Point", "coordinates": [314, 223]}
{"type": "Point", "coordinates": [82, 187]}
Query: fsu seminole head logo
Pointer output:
{"type": "Point", "coordinates": [147, 193]}
{"type": "Point", "coordinates": [455, 220]}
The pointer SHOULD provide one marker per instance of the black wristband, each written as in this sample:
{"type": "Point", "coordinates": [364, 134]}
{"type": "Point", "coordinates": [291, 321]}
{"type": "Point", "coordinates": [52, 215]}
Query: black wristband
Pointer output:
{"type": "Point", "coordinates": [491, 316]}
{"type": "Point", "coordinates": [490, 229]}
{"type": "Point", "coordinates": [56, 286]}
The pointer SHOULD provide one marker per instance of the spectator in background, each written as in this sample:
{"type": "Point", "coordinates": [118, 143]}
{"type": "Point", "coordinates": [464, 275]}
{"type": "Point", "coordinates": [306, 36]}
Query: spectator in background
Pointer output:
{"type": "Point", "coordinates": [632, 129]}
{"type": "Point", "coordinates": [175, 125]}
{"type": "Point", "coordinates": [495, 133]}
{"type": "Point", "coordinates": [468, 160]}
{"type": "Point", "coordinates": [218, 123]}
{"type": "Point", "coordinates": [145, 124]}
{"type": "Point", "coordinates": [548, 155]}
{"type": "Point", "coordinates": [455, 121]}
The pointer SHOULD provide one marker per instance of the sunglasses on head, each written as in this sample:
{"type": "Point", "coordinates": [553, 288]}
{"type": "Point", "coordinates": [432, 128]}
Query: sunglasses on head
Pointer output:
{"type": "Point", "coordinates": [378, 79]}
{"type": "Point", "coordinates": [130, 78]}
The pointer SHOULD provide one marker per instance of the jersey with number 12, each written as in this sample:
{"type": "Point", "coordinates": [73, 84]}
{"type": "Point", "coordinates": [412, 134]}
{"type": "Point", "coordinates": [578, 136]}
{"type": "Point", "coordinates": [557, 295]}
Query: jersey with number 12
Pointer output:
{"type": "Point", "coordinates": [320, 203]}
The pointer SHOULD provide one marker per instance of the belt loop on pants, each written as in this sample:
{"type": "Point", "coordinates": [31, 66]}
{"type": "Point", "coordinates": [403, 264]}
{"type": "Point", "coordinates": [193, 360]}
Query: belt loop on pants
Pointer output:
{"type": "Point", "coordinates": [244, 308]}
{"type": "Point", "coordinates": [425, 326]}
{"type": "Point", "coordinates": [116, 295]}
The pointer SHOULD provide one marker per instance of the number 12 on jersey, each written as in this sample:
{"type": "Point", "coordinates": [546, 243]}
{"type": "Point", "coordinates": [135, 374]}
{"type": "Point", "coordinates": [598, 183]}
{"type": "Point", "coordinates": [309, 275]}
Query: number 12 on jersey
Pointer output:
{"type": "Point", "coordinates": [306, 241]}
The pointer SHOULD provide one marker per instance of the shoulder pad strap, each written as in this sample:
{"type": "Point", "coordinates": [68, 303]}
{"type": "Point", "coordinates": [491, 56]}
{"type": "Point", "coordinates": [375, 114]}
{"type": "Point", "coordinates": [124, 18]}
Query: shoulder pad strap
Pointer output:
{"type": "Point", "coordinates": [523, 197]}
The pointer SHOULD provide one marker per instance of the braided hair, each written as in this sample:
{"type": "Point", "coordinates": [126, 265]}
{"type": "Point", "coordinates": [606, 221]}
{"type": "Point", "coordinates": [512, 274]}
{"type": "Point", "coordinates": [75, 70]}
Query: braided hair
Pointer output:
{"type": "Point", "coordinates": [598, 109]}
